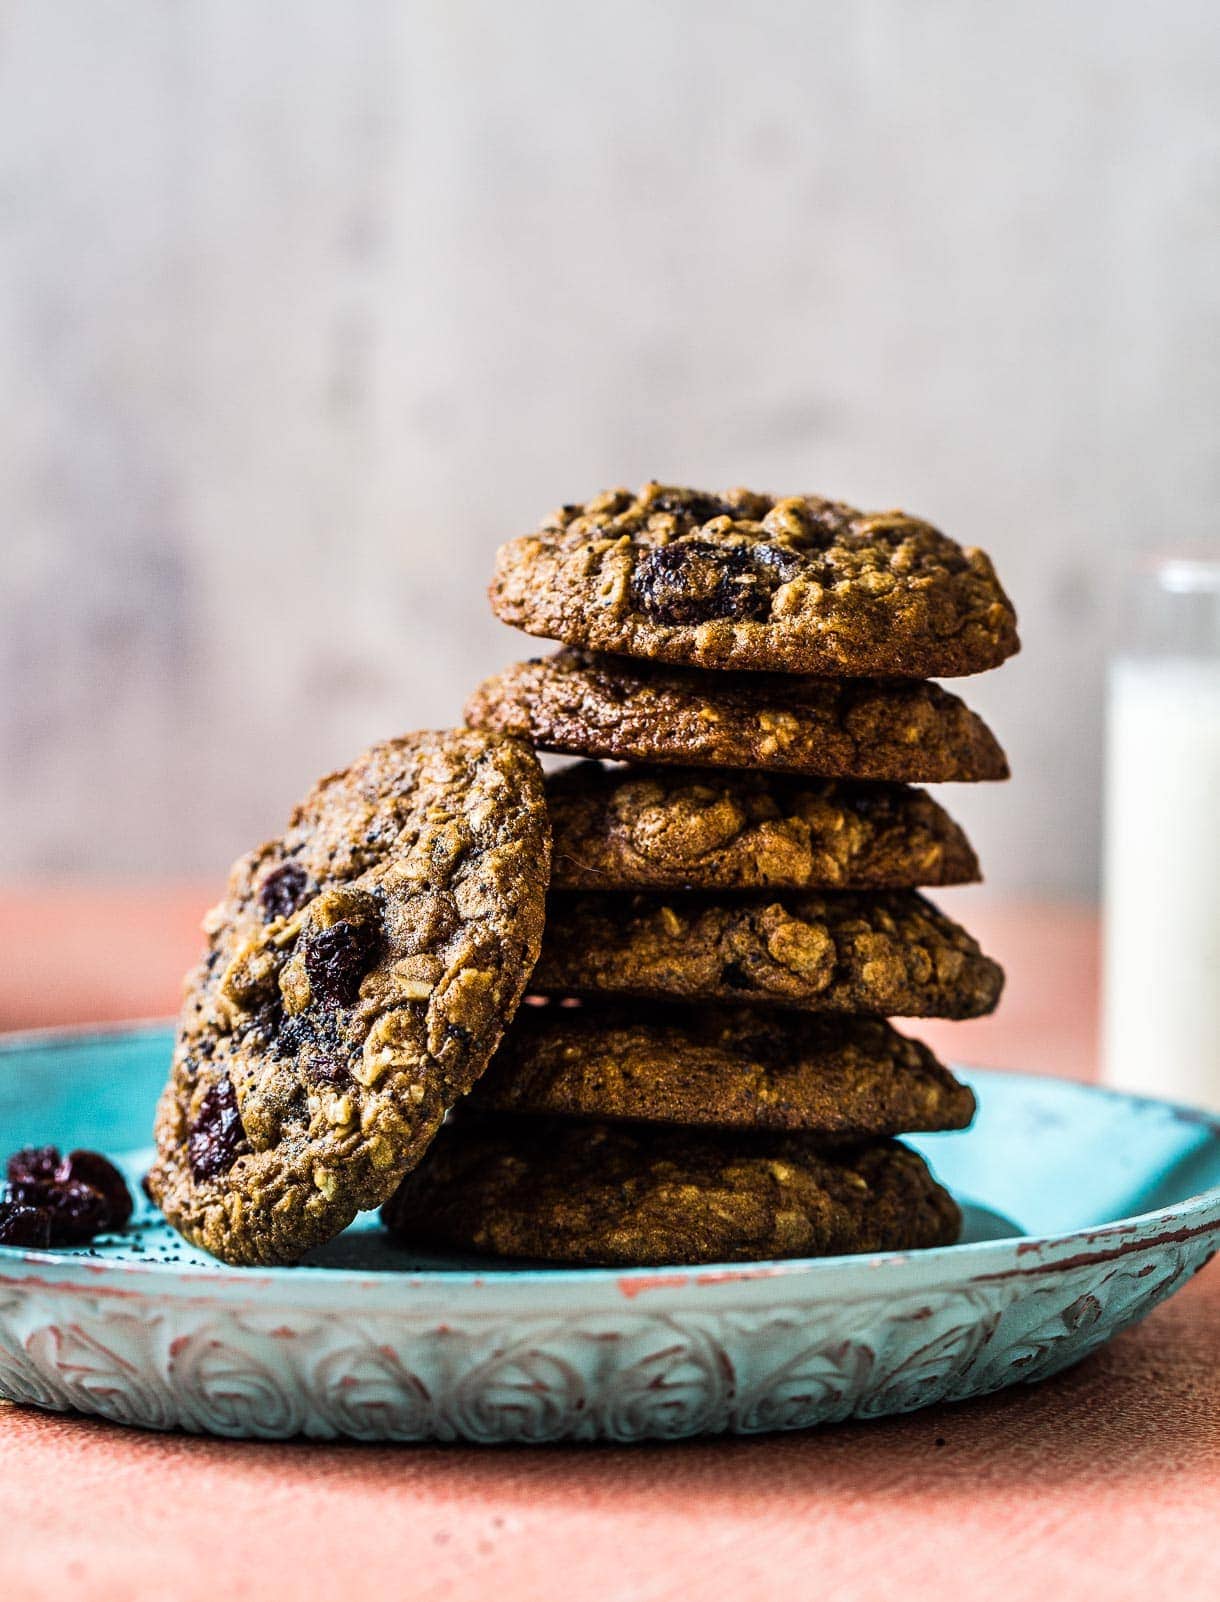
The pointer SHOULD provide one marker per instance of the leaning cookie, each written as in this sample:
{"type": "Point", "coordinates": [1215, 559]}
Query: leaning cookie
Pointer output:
{"type": "Point", "coordinates": [360, 972]}
{"type": "Point", "coordinates": [632, 828]}
{"type": "Point", "coordinates": [627, 1196]}
{"type": "Point", "coordinates": [792, 585]}
{"type": "Point", "coordinates": [891, 953]}
{"type": "Point", "coordinates": [842, 1079]}
{"type": "Point", "coordinates": [602, 706]}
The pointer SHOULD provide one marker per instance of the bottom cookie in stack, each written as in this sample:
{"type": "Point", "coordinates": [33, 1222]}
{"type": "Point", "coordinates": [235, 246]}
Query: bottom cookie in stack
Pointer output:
{"type": "Point", "coordinates": [625, 1138]}
{"type": "Point", "coordinates": [618, 1195]}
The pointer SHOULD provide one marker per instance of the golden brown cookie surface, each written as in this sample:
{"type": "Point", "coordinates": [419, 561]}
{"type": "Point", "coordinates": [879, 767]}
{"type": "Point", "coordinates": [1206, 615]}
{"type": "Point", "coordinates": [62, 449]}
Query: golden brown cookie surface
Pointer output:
{"type": "Point", "coordinates": [620, 1195]}
{"type": "Point", "coordinates": [603, 706]}
{"type": "Point", "coordinates": [359, 973]}
{"type": "Point", "coordinates": [843, 1079]}
{"type": "Point", "coordinates": [887, 953]}
{"type": "Point", "coordinates": [632, 828]}
{"type": "Point", "coordinates": [740, 580]}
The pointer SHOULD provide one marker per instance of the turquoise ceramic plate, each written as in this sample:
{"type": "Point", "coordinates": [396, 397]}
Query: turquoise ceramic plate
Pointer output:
{"type": "Point", "coordinates": [1084, 1210]}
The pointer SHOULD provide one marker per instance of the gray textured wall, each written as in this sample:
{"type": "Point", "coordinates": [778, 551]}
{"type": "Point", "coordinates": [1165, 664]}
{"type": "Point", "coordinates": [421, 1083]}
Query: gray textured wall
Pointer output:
{"type": "Point", "coordinates": [304, 306]}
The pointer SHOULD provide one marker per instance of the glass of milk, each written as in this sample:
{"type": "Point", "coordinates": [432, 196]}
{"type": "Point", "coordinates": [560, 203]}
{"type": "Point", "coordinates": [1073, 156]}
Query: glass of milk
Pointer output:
{"type": "Point", "coordinates": [1161, 863]}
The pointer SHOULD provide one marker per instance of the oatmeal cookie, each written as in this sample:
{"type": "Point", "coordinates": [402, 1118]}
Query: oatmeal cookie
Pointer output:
{"type": "Point", "coordinates": [843, 1079]}
{"type": "Point", "coordinates": [633, 1195]}
{"type": "Point", "coordinates": [887, 953]}
{"type": "Point", "coordinates": [739, 580]}
{"type": "Point", "coordinates": [633, 828]}
{"type": "Point", "coordinates": [359, 974]}
{"type": "Point", "coordinates": [604, 706]}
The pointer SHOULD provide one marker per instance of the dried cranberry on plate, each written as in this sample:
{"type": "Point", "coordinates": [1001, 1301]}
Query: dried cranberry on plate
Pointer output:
{"type": "Point", "coordinates": [61, 1201]}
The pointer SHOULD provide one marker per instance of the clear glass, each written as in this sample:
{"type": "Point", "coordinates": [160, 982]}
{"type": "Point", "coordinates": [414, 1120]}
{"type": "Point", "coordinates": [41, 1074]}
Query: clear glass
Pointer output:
{"type": "Point", "coordinates": [1172, 605]}
{"type": "Point", "coordinates": [1161, 858]}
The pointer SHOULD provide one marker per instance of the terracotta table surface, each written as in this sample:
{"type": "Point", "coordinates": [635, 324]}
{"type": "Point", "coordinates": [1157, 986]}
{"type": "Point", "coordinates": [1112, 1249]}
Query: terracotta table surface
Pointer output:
{"type": "Point", "coordinates": [1104, 1481]}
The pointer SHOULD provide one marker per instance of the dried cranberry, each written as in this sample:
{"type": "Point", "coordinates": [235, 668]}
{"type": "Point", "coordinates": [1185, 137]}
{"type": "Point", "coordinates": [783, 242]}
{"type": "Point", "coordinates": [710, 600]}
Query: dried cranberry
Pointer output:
{"type": "Point", "coordinates": [77, 1196]}
{"type": "Point", "coordinates": [328, 1071]}
{"type": "Point", "coordinates": [693, 581]}
{"type": "Point", "coordinates": [822, 524]}
{"type": "Point", "coordinates": [78, 1213]}
{"type": "Point", "coordinates": [783, 562]}
{"type": "Point", "coordinates": [33, 1165]}
{"type": "Point", "coordinates": [694, 509]}
{"type": "Point", "coordinates": [216, 1133]}
{"type": "Point", "coordinates": [337, 959]}
{"type": "Point", "coordinates": [30, 1192]}
{"type": "Point", "coordinates": [24, 1226]}
{"type": "Point", "coordinates": [283, 891]}
{"type": "Point", "coordinates": [91, 1168]}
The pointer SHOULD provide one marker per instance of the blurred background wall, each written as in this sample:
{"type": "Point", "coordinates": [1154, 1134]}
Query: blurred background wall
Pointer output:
{"type": "Point", "coordinates": [304, 307]}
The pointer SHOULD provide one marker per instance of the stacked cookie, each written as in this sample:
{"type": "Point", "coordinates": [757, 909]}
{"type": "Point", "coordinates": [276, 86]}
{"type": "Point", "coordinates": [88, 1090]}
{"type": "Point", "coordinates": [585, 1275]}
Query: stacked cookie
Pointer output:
{"type": "Point", "coordinates": [708, 1071]}
{"type": "Point", "coordinates": [735, 908]}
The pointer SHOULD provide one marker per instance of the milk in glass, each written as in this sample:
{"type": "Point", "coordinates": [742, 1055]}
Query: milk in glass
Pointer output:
{"type": "Point", "coordinates": [1161, 1023]}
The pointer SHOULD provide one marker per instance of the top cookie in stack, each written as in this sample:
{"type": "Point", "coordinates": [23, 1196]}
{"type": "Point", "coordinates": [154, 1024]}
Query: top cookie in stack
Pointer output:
{"type": "Point", "coordinates": [739, 914]}
{"type": "Point", "coordinates": [799, 585]}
